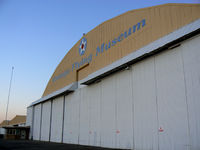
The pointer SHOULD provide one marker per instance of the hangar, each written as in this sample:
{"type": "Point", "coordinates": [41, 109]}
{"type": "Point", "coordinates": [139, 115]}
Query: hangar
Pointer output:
{"type": "Point", "coordinates": [133, 82]}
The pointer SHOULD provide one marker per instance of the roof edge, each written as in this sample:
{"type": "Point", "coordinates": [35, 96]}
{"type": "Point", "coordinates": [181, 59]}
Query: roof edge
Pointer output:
{"type": "Point", "coordinates": [67, 89]}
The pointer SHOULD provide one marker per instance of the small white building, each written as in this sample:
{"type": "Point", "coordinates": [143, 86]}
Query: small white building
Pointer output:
{"type": "Point", "coordinates": [18, 120]}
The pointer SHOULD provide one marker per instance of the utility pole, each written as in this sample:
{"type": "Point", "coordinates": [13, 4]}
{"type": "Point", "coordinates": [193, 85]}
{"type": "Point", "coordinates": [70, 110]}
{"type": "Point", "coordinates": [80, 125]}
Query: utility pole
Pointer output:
{"type": "Point", "coordinates": [9, 96]}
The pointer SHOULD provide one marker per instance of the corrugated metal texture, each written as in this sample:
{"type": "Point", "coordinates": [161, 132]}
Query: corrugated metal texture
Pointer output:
{"type": "Point", "coordinates": [71, 120]}
{"type": "Point", "coordinates": [29, 120]}
{"type": "Point", "coordinates": [36, 122]}
{"type": "Point", "coordinates": [108, 112]}
{"type": "Point", "coordinates": [124, 110]}
{"type": "Point", "coordinates": [159, 21]}
{"type": "Point", "coordinates": [57, 119]}
{"type": "Point", "coordinates": [84, 117]}
{"type": "Point", "coordinates": [29, 114]}
{"type": "Point", "coordinates": [172, 106]}
{"type": "Point", "coordinates": [94, 92]}
{"type": "Point", "coordinates": [45, 124]}
{"type": "Point", "coordinates": [102, 121]}
{"type": "Point", "coordinates": [145, 122]}
{"type": "Point", "coordinates": [191, 63]}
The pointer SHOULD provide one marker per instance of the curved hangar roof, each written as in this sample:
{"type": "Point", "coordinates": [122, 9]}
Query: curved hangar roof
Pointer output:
{"type": "Point", "coordinates": [117, 38]}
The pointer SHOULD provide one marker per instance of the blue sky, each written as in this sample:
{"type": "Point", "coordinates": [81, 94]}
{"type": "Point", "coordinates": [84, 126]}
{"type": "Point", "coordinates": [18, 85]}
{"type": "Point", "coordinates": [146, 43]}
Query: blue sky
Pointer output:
{"type": "Point", "coordinates": [36, 34]}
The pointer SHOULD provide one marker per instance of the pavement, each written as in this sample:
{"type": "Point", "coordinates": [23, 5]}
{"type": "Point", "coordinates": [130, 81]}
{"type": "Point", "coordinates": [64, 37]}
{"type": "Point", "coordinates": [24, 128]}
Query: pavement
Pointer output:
{"type": "Point", "coordinates": [39, 145]}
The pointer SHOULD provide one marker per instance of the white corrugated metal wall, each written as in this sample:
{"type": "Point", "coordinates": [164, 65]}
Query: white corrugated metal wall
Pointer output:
{"type": "Point", "coordinates": [95, 114]}
{"type": "Point", "coordinates": [172, 108]}
{"type": "Point", "coordinates": [29, 120]}
{"type": "Point", "coordinates": [29, 114]}
{"type": "Point", "coordinates": [57, 119]}
{"type": "Point", "coordinates": [45, 125]}
{"type": "Point", "coordinates": [36, 122]}
{"type": "Point", "coordinates": [71, 118]}
{"type": "Point", "coordinates": [126, 109]}
{"type": "Point", "coordinates": [84, 117]}
{"type": "Point", "coordinates": [145, 123]}
{"type": "Point", "coordinates": [108, 112]}
{"type": "Point", "coordinates": [191, 63]}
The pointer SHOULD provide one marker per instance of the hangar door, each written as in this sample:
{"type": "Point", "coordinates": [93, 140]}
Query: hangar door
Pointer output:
{"type": "Point", "coordinates": [171, 98]}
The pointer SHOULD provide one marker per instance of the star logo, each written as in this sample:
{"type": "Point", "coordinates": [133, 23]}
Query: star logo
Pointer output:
{"type": "Point", "coordinates": [82, 46]}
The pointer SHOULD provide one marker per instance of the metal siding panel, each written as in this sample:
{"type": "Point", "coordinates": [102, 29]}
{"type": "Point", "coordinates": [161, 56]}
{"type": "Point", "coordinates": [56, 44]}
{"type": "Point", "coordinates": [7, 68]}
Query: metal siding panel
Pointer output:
{"type": "Point", "coordinates": [57, 118]}
{"type": "Point", "coordinates": [94, 92]}
{"type": "Point", "coordinates": [191, 59]}
{"type": "Point", "coordinates": [67, 138]}
{"type": "Point", "coordinates": [46, 110]}
{"type": "Point", "coordinates": [29, 119]}
{"type": "Point", "coordinates": [84, 117]}
{"type": "Point", "coordinates": [124, 117]}
{"type": "Point", "coordinates": [71, 124]}
{"type": "Point", "coordinates": [29, 116]}
{"type": "Point", "coordinates": [145, 108]}
{"type": "Point", "coordinates": [172, 108]}
{"type": "Point", "coordinates": [36, 124]}
{"type": "Point", "coordinates": [108, 113]}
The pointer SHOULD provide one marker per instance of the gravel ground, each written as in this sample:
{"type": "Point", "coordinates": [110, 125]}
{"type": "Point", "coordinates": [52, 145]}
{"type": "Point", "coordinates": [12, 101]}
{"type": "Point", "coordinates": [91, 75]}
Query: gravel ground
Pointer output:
{"type": "Point", "coordinates": [38, 145]}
